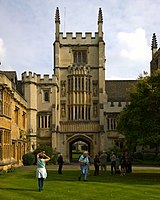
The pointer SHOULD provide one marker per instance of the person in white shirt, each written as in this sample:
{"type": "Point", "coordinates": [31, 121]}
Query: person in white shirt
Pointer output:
{"type": "Point", "coordinates": [41, 172]}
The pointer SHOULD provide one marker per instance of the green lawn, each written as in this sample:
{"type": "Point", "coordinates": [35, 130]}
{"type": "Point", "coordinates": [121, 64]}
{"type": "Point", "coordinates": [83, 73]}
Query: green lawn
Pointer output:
{"type": "Point", "coordinates": [22, 184]}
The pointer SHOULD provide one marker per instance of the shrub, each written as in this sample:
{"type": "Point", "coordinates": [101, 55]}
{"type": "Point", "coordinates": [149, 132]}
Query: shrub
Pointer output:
{"type": "Point", "coordinates": [138, 156]}
{"type": "Point", "coordinates": [149, 156]}
{"type": "Point", "coordinates": [11, 169]}
{"type": "Point", "coordinates": [116, 150]}
{"type": "Point", "coordinates": [48, 151]}
{"type": "Point", "coordinates": [28, 159]}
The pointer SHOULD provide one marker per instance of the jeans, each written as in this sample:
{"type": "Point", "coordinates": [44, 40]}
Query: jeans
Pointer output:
{"type": "Point", "coordinates": [84, 171]}
{"type": "Point", "coordinates": [40, 183]}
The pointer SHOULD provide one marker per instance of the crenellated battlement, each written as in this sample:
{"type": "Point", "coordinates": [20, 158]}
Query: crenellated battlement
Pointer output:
{"type": "Point", "coordinates": [38, 79]}
{"type": "Point", "coordinates": [79, 38]}
{"type": "Point", "coordinates": [32, 77]}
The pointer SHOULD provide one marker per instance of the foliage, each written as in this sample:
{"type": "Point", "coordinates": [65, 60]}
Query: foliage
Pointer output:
{"type": "Point", "coordinates": [28, 159]}
{"type": "Point", "coordinates": [137, 156]}
{"type": "Point", "coordinates": [11, 169]}
{"type": "Point", "coordinates": [114, 149]}
{"type": "Point", "coordinates": [139, 121]}
{"type": "Point", "coordinates": [150, 156]}
{"type": "Point", "coordinates": [48, 151]}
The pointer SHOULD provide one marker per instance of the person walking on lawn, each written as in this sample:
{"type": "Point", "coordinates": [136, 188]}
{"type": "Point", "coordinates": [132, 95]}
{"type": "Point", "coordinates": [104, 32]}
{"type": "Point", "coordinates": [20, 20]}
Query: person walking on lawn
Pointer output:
{"type": "Point", "coordinates": [84, 161]}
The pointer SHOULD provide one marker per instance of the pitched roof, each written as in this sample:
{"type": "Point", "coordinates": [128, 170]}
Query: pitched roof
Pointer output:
{"type": "Point", "coordinates": [12, 75]}
{"type": "Point", "coordinates": [117, 90]}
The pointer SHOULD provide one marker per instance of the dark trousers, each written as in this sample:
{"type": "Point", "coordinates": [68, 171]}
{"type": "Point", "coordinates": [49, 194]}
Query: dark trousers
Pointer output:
{"type": "Point", "coordinates": [40, 183]}
{"type": "Point", "coordinates": [96, 171]}
{"type": "Point", "coordinates": [113, 166]}
{"type": "Point", "coordinates": [60, 169]}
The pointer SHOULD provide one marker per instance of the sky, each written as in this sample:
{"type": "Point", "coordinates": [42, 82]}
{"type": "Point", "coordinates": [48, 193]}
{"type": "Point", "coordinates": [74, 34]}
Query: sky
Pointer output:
{"type": "Point", "coordinates": [27, 33]}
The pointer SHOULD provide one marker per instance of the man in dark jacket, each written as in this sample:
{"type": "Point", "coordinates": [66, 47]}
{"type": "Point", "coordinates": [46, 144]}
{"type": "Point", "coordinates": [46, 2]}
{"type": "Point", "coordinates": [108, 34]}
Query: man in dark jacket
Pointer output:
{"type": "Point", "coordinates": [60, 163]}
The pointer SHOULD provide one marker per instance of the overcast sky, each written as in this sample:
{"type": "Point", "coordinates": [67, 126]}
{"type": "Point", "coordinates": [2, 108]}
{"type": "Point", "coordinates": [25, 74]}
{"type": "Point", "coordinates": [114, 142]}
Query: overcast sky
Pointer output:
{"type": "Point", "coordinates": [27, 33]}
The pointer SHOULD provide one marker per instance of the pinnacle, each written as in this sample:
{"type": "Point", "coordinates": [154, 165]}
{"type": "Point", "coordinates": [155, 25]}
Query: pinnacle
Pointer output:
{"type": "Point", "coordinates": [154, 42]}
{"type": "Point", "coordinates": [57, 17]}
{"type": "Point", "coordinates": [100, 16]}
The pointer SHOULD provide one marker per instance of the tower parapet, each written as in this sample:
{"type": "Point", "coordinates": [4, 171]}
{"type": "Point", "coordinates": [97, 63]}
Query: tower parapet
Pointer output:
{"type": "Point", "coordinates": [79, 38]}
{"type": "Point", "coordinates": [46, 79]}
{"type": "Point", "coordinates": [38, 79]}
{"type": "Point", "coordinates": [29, 77]}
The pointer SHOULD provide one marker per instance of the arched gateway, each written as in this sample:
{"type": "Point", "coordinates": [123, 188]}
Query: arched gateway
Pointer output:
{"type": "Point", "coordinates": [78, 144]}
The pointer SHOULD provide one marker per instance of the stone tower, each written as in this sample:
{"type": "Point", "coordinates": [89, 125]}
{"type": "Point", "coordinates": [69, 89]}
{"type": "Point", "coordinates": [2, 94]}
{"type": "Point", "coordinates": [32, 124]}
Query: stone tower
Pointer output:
{"type": "Point", "coordinates": [66, 111]}
{"type": "Point", "coordinates": [79, 65]}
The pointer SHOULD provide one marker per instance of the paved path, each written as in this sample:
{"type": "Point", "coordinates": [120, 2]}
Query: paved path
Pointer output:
{"type": "Point", "coordinates": [76, 167]}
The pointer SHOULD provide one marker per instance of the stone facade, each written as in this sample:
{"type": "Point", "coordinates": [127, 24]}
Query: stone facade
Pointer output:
{"type": "Point", "coordinates": [72, 106]}
{"type": "Point", "coordinates": [13, 122]}
{"type": "Point", "coordinates": [75, 108]}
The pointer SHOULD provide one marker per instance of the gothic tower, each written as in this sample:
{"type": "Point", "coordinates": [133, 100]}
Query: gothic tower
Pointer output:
{"type": "Point", "coordinates": [79, 64]}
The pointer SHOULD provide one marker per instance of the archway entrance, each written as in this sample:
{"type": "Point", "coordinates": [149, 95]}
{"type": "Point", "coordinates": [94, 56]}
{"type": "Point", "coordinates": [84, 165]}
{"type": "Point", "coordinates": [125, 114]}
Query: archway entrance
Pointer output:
{"type": "Point", "coordinates": [77, 147]}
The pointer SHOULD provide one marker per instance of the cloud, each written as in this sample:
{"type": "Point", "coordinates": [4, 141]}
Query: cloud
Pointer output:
{"type": "Point", "coordinates": [2, 50]}
{"type": "Point", "coordinates": [27, 29]}
{"type": "Point", "coordinates": [130, 56]}
{"type": "Point", "coordinates": [134, 45]}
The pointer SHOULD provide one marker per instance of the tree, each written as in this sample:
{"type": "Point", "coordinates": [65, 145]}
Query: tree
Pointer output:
{"type": "Point", "coordinates": [140, 120]}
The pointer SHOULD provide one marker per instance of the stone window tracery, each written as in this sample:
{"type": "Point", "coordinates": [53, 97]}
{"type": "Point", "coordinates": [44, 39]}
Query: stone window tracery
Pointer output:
{"type": "Point", "coordinates": [79, 96]}
{"type": "Point", "coordinates": [80, 56]}
{"type": "Point", "coordinates": [44, 121]}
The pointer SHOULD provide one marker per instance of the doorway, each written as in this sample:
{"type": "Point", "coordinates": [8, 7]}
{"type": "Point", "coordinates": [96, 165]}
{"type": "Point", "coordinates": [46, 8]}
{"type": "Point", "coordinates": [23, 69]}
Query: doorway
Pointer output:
{"type": "Point", "coordinates": [77, 147]}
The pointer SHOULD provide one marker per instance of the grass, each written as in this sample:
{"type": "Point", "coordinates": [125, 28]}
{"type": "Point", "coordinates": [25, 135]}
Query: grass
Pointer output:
{"type": "Point", "coordinates": [22, 185]}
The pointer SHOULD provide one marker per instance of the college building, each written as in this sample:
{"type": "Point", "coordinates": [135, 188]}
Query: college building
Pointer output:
{"type": "Point", "coordinates": [13, 121]}
{"type": "Point", "coordinates": [73, 110]}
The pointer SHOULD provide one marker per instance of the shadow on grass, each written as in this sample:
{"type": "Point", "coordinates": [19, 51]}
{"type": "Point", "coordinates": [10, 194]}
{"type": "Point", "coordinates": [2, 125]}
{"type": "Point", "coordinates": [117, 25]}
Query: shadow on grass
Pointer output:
{"type": "Point", "coordinates": [141, 178]}
{"type": "Point", "coordinates": [19, 189]}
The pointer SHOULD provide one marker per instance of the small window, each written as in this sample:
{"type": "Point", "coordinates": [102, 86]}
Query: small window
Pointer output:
{"type": "Point", "coordinates": [80, 57]}
{"type": "Point", "coordinates": [0, 107]}
{"type": "Point", "coordinates": [46, 95]}
{"type": "Point", "coordinates": [0, 102]}
{"type": "Point", "coordinates": [0, 136]}
{"type": "Point", "coordinates": [16, 113]}
{"type": "Point", "coordinates": [24, 119]}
